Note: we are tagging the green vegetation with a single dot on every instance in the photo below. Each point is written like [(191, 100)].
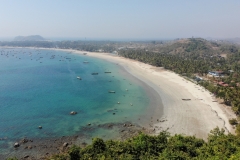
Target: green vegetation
[(163, 146), (189, 57), (193, 57), (12, 158), (233, 121)]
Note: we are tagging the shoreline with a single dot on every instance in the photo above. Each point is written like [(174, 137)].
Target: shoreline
[(196, 117), (41, 148)]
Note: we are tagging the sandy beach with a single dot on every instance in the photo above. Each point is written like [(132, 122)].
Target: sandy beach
[(197, 116)]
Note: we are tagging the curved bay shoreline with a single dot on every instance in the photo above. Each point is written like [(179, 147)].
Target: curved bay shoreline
[(195, 117), (167, 109)]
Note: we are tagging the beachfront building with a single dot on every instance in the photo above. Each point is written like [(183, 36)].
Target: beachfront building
[(216, 73), (115, 52)]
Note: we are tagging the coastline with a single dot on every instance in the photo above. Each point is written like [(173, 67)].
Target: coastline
[(167, 111), (195, 117)]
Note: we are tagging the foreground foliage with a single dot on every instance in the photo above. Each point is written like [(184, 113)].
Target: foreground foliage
[(163, 146)]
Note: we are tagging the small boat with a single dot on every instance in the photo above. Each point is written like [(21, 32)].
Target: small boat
[(73, 112), (79, 78), (95, 73), (111, 91), (186, 99), (107, 72)]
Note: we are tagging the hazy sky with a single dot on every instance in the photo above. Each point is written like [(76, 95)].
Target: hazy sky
[(120, 19)]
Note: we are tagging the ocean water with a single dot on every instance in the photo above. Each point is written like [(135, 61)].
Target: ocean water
[(40, 88)]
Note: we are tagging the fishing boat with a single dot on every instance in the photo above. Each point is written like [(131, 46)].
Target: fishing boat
[(107, 72), (186, 99), (111, 91), (95, 73), (79, 78)]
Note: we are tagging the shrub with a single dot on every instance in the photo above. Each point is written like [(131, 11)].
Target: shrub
[(233, 121)]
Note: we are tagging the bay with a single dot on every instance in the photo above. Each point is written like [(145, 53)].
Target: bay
[(39, 87)]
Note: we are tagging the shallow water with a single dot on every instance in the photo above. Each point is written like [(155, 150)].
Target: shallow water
[(39, 89)]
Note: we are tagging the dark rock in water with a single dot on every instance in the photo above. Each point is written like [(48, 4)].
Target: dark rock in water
[(40, 127), (16, 145), (73, 112), (89, 124), (65, 144), (24, 140), (114, 113), (26, 156)]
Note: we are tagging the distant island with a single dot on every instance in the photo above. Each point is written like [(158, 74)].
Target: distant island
[(29, 38)]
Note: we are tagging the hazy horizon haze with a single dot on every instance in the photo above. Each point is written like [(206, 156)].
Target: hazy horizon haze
[(105, 19)]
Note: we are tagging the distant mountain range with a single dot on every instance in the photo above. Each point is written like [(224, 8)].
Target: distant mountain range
[(29, 38)]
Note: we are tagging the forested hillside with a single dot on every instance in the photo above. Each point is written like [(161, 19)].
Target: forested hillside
[(196, 57)]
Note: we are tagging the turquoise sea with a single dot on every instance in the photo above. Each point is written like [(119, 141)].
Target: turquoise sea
[(40, 88)]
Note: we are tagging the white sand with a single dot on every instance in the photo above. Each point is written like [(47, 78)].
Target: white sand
[(195, 117)]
